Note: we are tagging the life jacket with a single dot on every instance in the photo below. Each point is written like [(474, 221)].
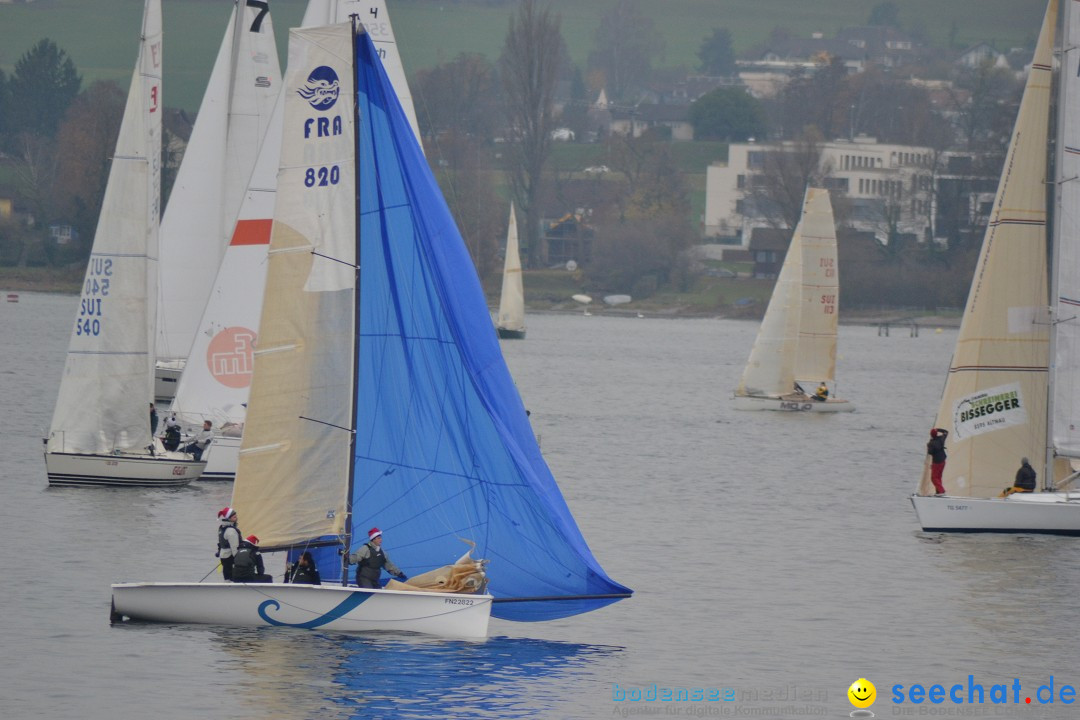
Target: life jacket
[(172, 435), (244, 564), (222, 543), (303, 575), (371, 566)]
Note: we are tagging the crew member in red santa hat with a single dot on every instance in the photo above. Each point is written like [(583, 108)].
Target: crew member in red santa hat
[(228, 540), (370, 560)]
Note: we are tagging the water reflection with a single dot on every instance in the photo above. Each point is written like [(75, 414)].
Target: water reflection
[(304, 674)]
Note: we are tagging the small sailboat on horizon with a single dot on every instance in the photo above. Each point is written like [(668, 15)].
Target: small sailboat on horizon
[(100, 432), (410, 422), (796, 342), (511, 317)]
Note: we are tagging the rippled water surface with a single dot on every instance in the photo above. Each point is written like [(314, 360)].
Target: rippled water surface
[(774, 555)]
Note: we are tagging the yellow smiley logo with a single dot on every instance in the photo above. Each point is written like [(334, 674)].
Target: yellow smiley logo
[(862, 693)]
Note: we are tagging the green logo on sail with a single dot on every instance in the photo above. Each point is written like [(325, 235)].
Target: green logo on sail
[(991, 409)]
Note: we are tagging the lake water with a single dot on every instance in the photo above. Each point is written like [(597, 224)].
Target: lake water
[(775, 558)]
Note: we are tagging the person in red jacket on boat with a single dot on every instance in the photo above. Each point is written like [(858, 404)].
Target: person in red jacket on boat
[(936, 450)]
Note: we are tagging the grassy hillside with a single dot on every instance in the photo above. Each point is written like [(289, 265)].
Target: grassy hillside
[(101, 34)]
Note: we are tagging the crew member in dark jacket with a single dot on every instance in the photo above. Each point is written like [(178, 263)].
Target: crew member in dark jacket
[(1025, 477), (228, 540), (936, 450), (304, 571), (248, 563), (370, 560)]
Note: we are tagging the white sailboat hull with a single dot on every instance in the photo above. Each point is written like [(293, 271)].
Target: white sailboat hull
[(1049, 513), (322, 607), (791, 404), (221, 459), (67, 469), (166, 378)]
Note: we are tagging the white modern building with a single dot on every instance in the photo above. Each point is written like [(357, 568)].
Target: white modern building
[(875, 179)]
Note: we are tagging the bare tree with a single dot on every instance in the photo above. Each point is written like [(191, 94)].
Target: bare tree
[(531, 60), (626, 43), (777, 193)]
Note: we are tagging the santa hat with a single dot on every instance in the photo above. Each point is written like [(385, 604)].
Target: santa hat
[(933, 433), (253, 539), (373, 533), (225, 513)]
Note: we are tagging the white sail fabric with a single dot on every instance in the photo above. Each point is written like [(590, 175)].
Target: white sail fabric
[(217, 377), (771, 367), (210, 185), (1066, 365), (994, 402), (816, 356), (302, 391), (376, 21), (103, 402), (512, 300)]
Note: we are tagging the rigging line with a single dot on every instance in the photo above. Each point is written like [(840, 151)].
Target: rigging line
[(334, 259), (329, 424)]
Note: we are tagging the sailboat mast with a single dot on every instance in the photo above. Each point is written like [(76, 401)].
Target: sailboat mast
[(347, 539), (1055, 235)]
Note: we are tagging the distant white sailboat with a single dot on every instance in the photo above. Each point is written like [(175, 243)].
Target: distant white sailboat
[(1013, 388), (217, 378), (100, 432), (797, 338), (511, 322)]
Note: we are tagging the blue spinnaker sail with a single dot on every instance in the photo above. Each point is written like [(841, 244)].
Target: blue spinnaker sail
[(444, 449)]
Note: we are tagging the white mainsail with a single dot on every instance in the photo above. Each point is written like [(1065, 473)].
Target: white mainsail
[(512, 300), (304, 361), (216, 381), (797, 338), (994, 402), (376, 21), (816, 357), (103, 402), (1065, 376), (198, 223)]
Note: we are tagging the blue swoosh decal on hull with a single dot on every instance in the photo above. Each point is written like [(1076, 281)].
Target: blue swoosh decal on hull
[(342, 609)]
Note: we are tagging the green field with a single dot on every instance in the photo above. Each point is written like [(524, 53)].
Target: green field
[(100, 35)]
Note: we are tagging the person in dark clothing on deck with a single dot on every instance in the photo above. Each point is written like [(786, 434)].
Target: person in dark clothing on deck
[(304, 571), (228, 541), (248, 564), (936, 450), (1025, 479), (370, 561)]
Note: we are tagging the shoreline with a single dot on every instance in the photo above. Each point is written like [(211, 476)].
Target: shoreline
[(898, 319)]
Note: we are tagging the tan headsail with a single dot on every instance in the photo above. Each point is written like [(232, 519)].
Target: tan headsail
[(994, 403), (301, 393)]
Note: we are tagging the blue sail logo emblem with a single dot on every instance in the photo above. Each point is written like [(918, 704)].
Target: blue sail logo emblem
[(321, 89)]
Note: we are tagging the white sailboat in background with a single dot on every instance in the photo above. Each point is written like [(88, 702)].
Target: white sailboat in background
[(511, 318), (797, 339), (197, 226), (100, 432), (1003, 399), (217, 378), (343, 430)]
